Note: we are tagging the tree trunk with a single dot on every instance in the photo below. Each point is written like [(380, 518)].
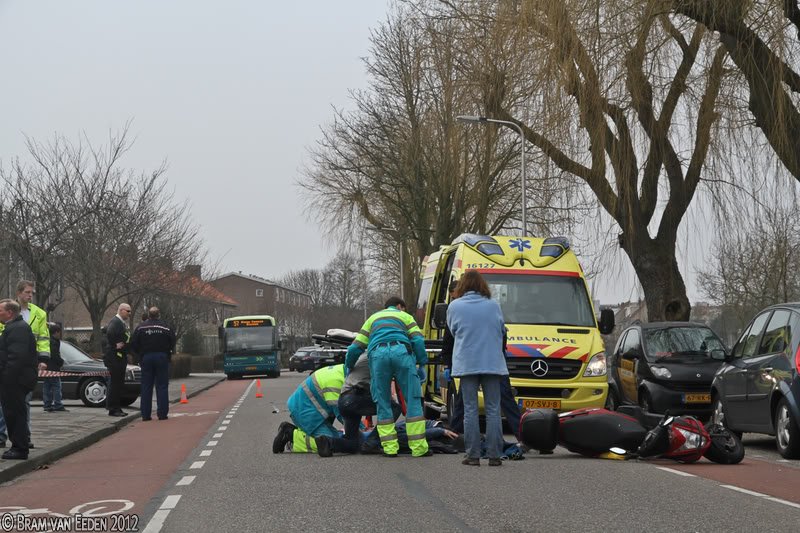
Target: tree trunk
[(657, 269)]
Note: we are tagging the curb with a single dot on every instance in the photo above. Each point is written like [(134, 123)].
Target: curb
[(35, 463)]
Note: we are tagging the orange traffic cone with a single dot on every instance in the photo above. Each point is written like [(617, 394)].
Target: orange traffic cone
[(258, 389), (184, 399)]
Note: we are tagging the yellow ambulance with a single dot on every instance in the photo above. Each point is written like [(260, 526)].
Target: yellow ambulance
[(555, 353)]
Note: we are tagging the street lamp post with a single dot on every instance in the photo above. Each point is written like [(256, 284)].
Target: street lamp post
[(474, 120), (400, 248)]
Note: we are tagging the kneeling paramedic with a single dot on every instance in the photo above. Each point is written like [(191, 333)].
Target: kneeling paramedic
[(394, 345), (313, 407)]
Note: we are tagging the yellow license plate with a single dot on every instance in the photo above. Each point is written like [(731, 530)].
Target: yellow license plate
[(697, 398), (541, 404)]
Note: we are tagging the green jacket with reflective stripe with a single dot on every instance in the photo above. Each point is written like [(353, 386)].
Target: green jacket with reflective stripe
[(387, 325), (317, 397)]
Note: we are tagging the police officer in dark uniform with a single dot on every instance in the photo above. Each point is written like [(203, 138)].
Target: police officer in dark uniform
[(154, 342), (18, 371), (116, 357)]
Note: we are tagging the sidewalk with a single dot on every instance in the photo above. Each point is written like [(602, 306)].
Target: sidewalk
[(56, 435)]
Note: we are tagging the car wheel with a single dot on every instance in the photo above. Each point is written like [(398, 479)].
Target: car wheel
[(93, 391), (612, 402), (787, 434), (718, 416)]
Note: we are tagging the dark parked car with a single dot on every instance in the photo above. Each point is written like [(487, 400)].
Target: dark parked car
[(665, 366), (90, 389), (313, 358), (758, 387)]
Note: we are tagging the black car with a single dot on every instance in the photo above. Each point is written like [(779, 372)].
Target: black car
[(313, 358), (665, 366), (86, 385), (758, 387)]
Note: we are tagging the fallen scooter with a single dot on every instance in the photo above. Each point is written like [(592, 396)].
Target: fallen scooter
[(595, 432)]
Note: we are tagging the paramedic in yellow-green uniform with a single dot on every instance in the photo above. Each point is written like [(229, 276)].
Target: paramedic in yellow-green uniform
[(395, 347)]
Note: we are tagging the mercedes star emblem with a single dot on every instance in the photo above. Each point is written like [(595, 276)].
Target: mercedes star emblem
[(698, 375), (539, 368)]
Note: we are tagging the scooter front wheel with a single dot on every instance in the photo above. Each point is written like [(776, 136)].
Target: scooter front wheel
[(726, 448)]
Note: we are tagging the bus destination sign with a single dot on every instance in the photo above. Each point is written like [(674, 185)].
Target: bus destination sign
[(249, 323)]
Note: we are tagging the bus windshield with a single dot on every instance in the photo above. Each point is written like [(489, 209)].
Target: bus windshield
[(542, 300), (249, 338)]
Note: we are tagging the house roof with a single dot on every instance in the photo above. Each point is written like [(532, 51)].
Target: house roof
[(186, 285), (260, 280)]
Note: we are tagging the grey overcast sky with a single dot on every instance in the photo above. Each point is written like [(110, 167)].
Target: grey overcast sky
[(230, 93)]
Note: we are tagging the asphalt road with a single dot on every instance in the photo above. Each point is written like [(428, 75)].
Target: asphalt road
[(237, 483)]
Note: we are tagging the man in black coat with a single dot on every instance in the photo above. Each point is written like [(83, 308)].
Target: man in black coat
[(153, 341), (116, 357), (18, 372)]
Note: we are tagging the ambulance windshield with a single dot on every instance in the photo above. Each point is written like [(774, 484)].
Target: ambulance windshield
[(543, 300)]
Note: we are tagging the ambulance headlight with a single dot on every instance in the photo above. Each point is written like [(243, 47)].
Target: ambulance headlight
[(596, 366)]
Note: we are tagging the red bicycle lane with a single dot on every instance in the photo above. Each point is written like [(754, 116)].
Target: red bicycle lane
[(122, 472), (762, 477)]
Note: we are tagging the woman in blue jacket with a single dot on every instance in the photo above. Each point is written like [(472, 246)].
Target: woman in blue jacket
[(476, 322)]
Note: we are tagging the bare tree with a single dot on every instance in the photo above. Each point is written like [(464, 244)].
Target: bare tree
[(135, 238), (616, 93), (46, 197), (755, 263), (763, 40), (402, 164)]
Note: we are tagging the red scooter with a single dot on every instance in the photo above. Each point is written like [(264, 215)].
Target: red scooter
[(629, 433)]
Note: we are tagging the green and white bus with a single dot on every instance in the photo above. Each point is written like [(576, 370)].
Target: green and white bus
[(250, 345)]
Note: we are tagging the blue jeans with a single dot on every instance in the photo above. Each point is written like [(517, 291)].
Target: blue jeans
[(51, 393), (490, 384), (155, 371), (508, 406)]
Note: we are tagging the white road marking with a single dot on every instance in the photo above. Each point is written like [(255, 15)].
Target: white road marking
[(222, 428), (228, 416), (760, 495), (197, 464), (157, 522), (212, 443), (678, 472), (205, 453), (186, 480), (170, 501), (217, 435), (225, 422)]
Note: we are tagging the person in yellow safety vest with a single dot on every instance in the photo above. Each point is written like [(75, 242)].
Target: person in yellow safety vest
[(36, 317), (395, 345), (312, 407)]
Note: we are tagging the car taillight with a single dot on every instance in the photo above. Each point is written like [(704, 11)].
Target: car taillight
[(797, 359)]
